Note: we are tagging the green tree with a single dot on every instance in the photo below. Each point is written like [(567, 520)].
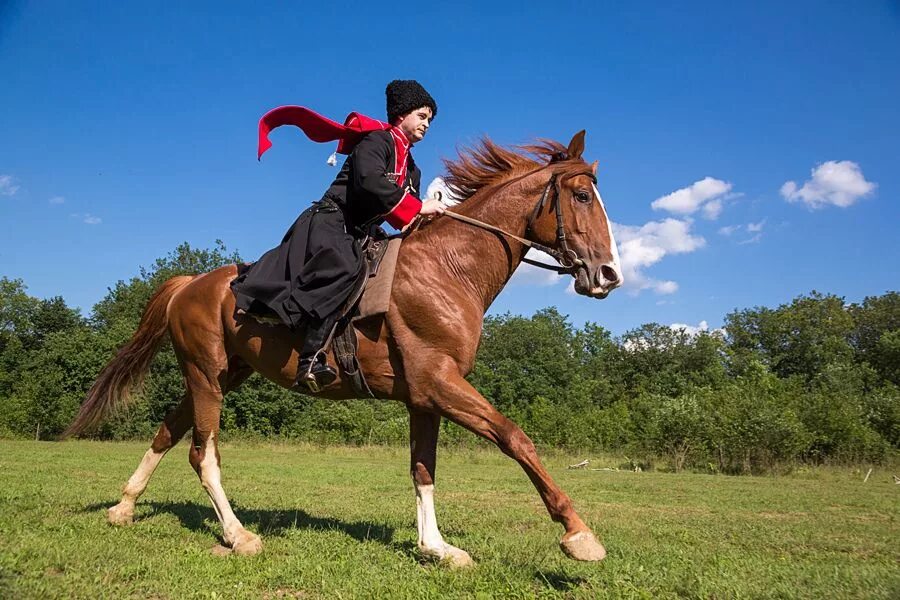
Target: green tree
[(658, 359), (801, 338), (876, 334), (521, 359)]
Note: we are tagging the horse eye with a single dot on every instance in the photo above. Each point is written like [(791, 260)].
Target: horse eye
[(583, 197)]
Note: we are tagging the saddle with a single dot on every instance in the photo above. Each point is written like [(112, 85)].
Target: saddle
[(370, 297)]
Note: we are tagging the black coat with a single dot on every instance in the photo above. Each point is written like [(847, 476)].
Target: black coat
[(314, 269), (365, 187)]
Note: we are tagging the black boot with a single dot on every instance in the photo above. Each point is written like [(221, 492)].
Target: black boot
[(313, 372)]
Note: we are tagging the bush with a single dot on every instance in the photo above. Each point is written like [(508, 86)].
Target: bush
[(684, 428)]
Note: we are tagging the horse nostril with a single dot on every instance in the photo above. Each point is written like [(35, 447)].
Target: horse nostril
[(609, 274)]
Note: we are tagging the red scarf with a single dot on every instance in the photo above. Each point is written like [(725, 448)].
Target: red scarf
[(322, 129)]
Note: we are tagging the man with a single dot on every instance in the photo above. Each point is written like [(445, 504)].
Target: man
[(312, 273)]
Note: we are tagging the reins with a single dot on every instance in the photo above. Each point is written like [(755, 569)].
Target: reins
[(566, 257), (554, 253)]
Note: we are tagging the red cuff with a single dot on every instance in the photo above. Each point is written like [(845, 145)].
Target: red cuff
[(405, 211)]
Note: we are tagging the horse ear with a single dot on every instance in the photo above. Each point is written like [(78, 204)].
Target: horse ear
[(594, 167), (576, 146)]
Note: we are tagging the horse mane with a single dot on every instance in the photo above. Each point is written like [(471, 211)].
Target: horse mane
[(487, 164)]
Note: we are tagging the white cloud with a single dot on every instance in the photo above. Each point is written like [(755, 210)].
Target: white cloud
[(87, 218), (706, 194), (530, 275), (7, 186), (644, 246), (751, 240), (664, 287), (712, 209), (694, 330), (755, 227), (57, 200), (833, 183), (728, 229)]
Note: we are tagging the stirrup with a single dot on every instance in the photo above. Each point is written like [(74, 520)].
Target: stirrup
[(309, 381), (316, 376)]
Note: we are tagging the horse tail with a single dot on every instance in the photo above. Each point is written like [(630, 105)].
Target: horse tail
[(113, 386)]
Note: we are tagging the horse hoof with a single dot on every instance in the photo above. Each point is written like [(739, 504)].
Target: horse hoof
[(120, 516), (457, 559), (583, 546), (448, 556), (247, 544)]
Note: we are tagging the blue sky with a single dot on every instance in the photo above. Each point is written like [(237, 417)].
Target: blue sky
[(128, 128)]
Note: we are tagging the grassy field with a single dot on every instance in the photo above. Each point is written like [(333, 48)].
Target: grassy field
[(340, 523)]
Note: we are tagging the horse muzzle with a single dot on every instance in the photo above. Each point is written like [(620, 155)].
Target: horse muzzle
[(598, 282)]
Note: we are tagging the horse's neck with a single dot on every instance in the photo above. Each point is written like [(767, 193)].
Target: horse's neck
[(480, 260)]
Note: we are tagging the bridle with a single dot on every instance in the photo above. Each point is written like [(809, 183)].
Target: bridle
[(567, 258)]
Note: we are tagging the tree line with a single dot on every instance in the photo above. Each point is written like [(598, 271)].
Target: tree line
[(812, 380)]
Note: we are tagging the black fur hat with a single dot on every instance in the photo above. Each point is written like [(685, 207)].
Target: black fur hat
[(404, 95)]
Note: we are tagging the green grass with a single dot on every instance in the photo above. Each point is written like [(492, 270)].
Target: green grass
[(340, 523)]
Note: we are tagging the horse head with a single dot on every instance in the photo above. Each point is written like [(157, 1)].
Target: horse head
[(572, 220)]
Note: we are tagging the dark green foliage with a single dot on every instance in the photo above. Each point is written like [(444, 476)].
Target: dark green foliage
[(522, 359), (802, 338), (813, 380), (876, 334)]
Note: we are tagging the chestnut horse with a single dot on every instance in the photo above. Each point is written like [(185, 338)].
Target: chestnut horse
[(448, 273)]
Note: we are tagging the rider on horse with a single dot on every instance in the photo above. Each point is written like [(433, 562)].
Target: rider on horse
[(306, 279)]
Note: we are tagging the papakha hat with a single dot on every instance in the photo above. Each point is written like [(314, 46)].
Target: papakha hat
[(405, 95)]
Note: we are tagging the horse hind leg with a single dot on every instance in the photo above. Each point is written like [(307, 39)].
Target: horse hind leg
[(172, 429), (206, 395)]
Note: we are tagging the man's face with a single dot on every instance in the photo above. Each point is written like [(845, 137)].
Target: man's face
[(415, 124)]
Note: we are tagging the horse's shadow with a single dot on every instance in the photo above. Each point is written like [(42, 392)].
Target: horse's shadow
[(200, 518), (561, 582)]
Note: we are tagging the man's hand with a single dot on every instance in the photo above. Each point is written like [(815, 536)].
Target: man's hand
[(432, 206)]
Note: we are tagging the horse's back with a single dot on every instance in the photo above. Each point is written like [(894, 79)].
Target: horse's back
[(208, 296)]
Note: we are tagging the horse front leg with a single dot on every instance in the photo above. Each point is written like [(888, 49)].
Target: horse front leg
[(457, 400), (423, 434)]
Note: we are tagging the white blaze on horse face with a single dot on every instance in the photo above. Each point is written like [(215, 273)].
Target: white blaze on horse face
[(615, 264)]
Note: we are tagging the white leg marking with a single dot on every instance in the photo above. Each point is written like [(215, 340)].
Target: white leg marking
[(429, 535), (241, 540), (123, 512), (431, 542), (138, 482)]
